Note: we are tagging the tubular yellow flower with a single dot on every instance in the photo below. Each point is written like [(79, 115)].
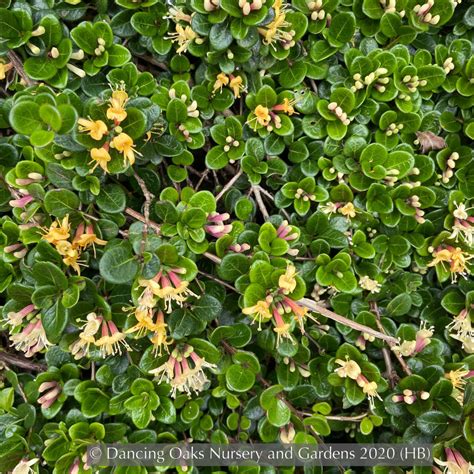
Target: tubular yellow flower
[(116, 110), (184, 36), (58, 231), (236, 85), (275, 30), (349, 368), (4, 68), (95, 128), (221, 81), (261, 116), (101, 157), (287, 281), (260, 312), (348, 210), (124, 144)]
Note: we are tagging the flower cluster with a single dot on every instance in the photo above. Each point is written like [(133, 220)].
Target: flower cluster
[(59, 233)]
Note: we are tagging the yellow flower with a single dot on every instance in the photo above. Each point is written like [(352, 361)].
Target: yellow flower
[(456, 258), (349, 368), (160, 338), (274, 31), (236, 86), (124, 144), (58, 231), (116, 110), (261, 116), (287, 281), (4, 68), (96, 128), (145, 321), (348, 210), (221, 81), (71, 259), (260, 312), (88, 238), (184, 37), (101, 157), (286, 106)]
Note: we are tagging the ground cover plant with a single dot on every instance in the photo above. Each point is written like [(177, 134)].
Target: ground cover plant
[(235, 220)]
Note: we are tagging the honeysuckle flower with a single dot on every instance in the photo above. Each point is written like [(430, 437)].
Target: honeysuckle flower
[(216, 226), (112, 340), (287, 281), (168, 286), (124, 144), (24, 466), (369, 388), (177, 14), (95, 128), (117, 102), (281, 328), (160, 338), (261, 116), (349, 368), (16, 318), (87, 238), (361, 341), (70, 255), (299, 312), (460, 327), (31, 339), (259, 311), (455, 257), (348, 210), (101, 157), (144, 317), (368, 284), (4, 68), (459, 378), (58, 231), (286, 106), (275, 31), (455, 463), (52, 391), (236, 84), (423, 338), (463, 224), (184, 36), (22, 201), (221, 81), (184, 371), (80, 348)]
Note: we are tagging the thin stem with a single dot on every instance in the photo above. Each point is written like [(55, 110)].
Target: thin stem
[(229, 185), (261, 204), (136, 215), (146, 209), (346, 322), (18, 66), (221, 282), (400, 359), (391, 373), (21, 362)]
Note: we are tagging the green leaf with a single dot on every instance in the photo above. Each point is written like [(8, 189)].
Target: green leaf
[(46, 273), (59, 202), (239, 379), (342, 28), (54, 321), (433, 423), (24, 117), (118, 265), (111, 199)]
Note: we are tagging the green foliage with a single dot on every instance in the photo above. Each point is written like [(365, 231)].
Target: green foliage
[(235, 221)]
